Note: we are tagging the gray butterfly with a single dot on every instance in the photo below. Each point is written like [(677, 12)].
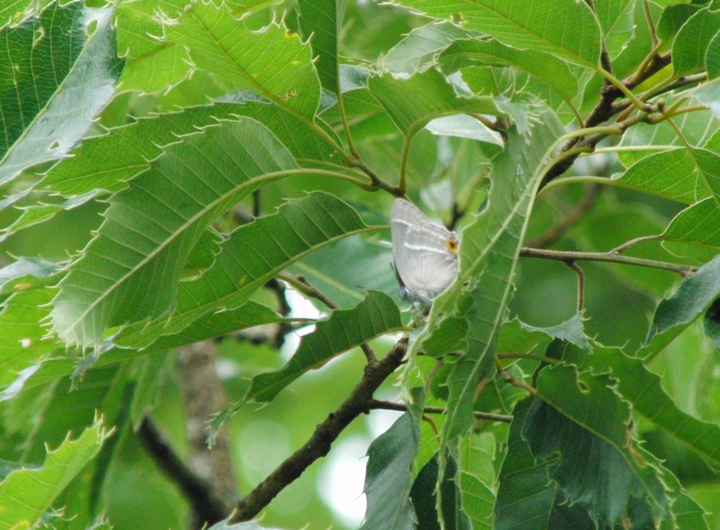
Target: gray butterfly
[(425, 253)]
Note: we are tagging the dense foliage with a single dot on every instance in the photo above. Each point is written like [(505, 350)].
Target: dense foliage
[(179, 177)]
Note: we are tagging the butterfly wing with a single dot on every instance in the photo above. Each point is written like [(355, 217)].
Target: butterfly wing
[(425, 252)]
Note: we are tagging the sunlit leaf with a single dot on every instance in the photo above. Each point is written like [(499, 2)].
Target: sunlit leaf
[(544, 67), (151, 65), (271, 62), (63, 74), (569, 30), (27, 493), (412, 103), (692, 41), (130, 270)]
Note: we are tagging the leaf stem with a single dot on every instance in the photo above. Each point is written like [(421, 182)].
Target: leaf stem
[(581, 284), (625, 90)]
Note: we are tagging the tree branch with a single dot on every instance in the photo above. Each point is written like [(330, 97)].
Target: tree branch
[(401, 407), (207, 506), (565, 256), (325, 434)]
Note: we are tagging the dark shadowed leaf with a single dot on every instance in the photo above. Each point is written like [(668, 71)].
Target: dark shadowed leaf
[(694, 296), (388, 478), (425, 500)]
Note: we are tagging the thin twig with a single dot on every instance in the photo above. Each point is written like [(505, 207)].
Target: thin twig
[(301, 284), (581, 283), (559, 255), (651, 23), (401, 407), (516, 382), (625, 246), (208, 507), (325, 434)]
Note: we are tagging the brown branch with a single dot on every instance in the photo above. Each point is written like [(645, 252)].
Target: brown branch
[(203, 395), (604, 109), (325, 434), (206, 506), (401, 407)]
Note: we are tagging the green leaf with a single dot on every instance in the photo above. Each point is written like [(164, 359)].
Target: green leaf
[(298, 228), (419, 50), (212, 325), (63, 66), (544, 67), (26, 494), (478, 501), (566, 29), (526, 495), (412, 103), (320, 21), (27, 273), (366, 265), (488, 253), (673, 17), (693, 297), (271, 62), (697, 128), (388, 478), (692, 41), (588, 427), (249, 525), (643, 389), (617, 23), (23, 338), (570, 331), (672, 174), (344, 330), (712, 57), (130, 271), (153, 370), (150, 64), (424, 497), (711, 323), (696, 224), (108, 161)]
